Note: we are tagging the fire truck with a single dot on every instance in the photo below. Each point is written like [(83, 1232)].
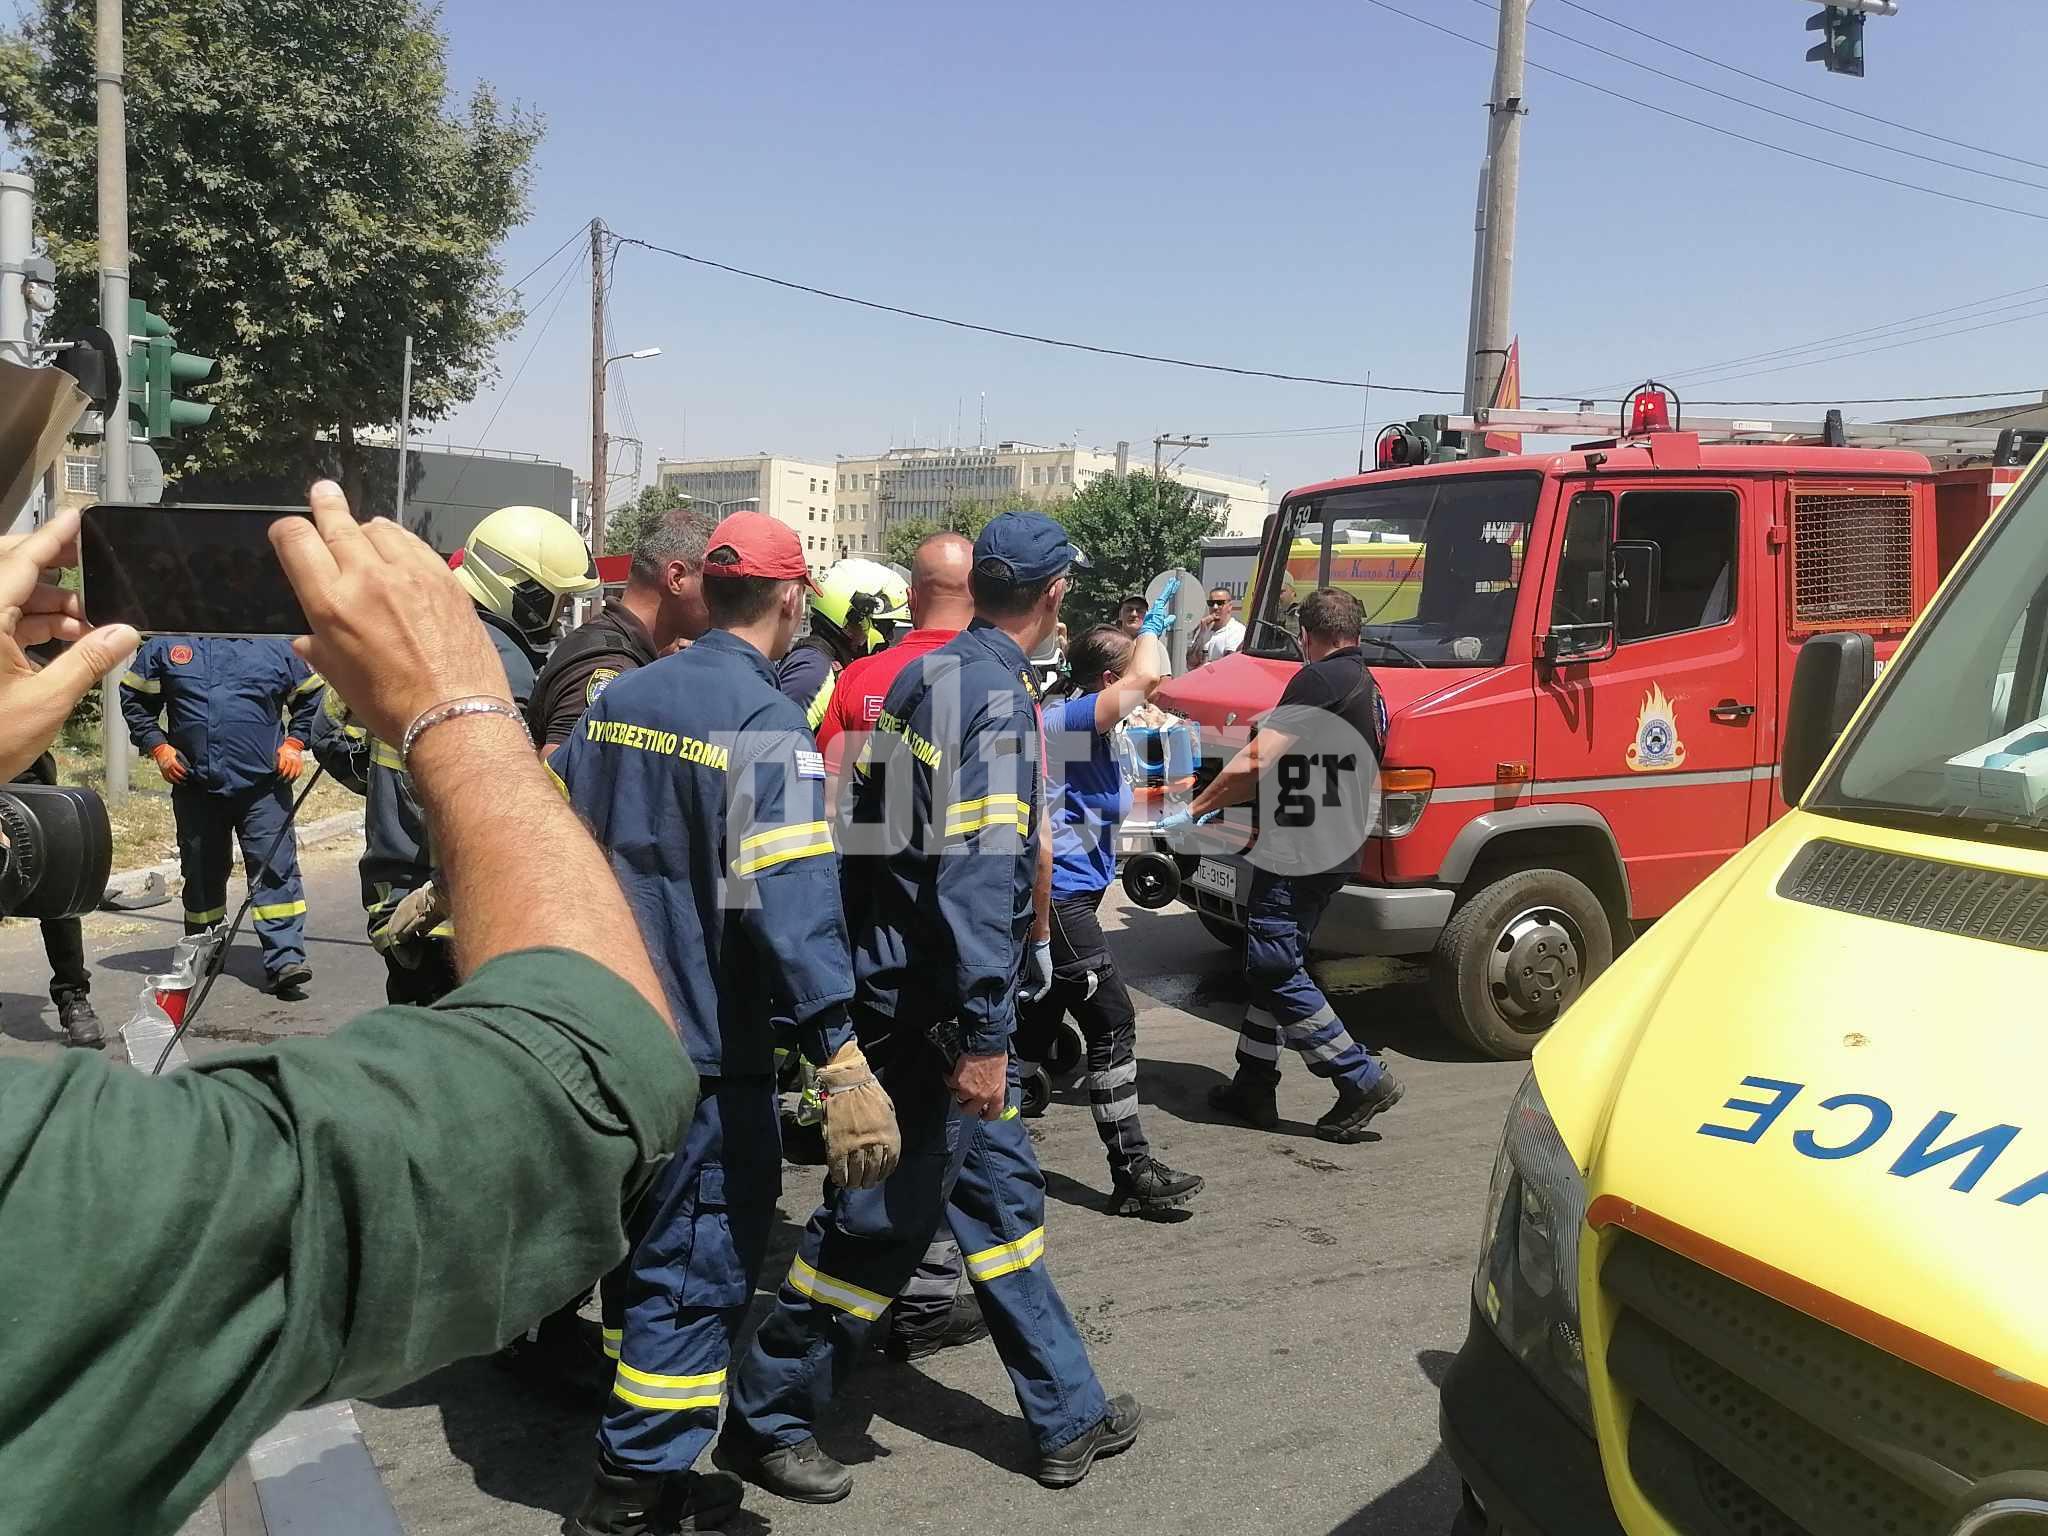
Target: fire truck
[(1585, 656)]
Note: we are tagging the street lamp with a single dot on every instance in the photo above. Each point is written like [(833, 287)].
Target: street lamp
[(627, 357)]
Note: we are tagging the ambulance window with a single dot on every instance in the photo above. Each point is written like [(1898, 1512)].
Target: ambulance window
[(1695, 533)]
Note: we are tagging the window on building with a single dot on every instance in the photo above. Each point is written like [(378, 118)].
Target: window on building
[(82, 475), (1067, 474), (870, 485)]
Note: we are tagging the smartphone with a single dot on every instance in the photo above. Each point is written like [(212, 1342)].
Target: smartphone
[(199, 570)]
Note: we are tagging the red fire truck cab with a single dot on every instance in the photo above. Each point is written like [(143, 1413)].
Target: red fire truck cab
[(1585, 657)]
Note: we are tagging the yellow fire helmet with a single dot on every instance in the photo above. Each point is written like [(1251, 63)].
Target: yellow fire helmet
[(856, 596), (523, 563)]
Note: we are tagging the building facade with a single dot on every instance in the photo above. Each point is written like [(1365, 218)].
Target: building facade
[(796, 492)]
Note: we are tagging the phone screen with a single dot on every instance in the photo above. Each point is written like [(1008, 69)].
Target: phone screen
[(187, 570)]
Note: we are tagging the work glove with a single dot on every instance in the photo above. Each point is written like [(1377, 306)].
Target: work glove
[(421, 912), (1178, 827), (169, 763), (862, 1142), (1159, 617), (1037, 971), (291, 758)]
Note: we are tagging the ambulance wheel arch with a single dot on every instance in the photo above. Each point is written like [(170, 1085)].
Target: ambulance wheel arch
[(1543, 907)]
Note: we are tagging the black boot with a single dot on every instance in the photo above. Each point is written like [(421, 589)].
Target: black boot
[(641, 1504), (963, 1325), (801, 1472), (563, 1354), (291, 982), (1254, 1099), (81, 1024), (1149, 1185), (1354, 1109), (1113, 1432)]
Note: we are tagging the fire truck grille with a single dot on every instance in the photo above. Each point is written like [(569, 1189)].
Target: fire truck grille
[(1753, 1419), (1923, 893), (1852, 560)]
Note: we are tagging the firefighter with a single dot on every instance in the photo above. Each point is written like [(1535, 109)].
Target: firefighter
[(943, 905), (848, 609), (706, 790), (663, 603), (520, 565), (210, 711), (1331, 713)]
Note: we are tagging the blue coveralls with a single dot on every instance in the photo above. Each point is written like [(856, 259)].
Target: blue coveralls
[(1285, 1006), (703, 786), (223, 704), (954, 768)]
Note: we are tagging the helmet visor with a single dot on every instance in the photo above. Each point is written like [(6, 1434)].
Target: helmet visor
[(535, 608)]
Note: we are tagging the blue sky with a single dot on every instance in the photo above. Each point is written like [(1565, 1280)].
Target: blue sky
[(1286, 186)]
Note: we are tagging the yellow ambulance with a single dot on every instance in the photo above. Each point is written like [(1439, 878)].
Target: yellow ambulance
[(1766, 1245)]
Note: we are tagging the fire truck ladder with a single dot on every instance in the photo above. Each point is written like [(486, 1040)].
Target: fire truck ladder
[(1931, 438)]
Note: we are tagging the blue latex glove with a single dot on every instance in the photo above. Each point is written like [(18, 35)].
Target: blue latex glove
[(1037, 971), (1176, 822), (1159, 617)]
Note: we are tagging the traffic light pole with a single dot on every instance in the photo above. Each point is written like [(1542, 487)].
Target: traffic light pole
[(113, 214), (1494, 280), (598, 455)]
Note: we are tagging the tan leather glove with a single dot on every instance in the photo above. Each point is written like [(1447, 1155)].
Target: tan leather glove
[(420, 912), (862, 1142)]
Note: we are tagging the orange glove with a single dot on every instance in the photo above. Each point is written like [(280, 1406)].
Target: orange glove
[(291, 758), (168, 763)]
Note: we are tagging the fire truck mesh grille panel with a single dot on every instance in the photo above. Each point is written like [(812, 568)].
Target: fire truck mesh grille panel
[(1852, 560), (1753, 1419), (1922, 893)]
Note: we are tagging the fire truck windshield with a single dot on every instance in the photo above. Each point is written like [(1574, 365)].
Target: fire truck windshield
[(1435, 561)]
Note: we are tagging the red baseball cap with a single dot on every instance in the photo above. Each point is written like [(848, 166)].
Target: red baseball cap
[(755, 544)]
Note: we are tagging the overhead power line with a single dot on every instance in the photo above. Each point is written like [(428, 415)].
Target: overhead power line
[(1869, 117), (1700, 122), (1757, 106), (1254, 373), (1842, 357), (573, 238)]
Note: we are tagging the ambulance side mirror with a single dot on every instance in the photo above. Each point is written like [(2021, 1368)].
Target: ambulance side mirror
[(1833, 675)]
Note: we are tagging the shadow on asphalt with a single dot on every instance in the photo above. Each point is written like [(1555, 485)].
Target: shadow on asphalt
[(1425, 1501), (30, 1017), (1181, 1089)]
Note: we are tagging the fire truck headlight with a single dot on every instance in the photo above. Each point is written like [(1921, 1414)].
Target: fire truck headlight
[(1404, 793)]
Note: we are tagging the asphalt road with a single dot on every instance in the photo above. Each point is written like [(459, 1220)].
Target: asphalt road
[(1285, 1338)]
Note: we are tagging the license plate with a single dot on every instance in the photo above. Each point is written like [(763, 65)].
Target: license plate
[(1215, 875)]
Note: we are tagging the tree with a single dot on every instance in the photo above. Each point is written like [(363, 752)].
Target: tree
[(963, 517), (301, 198), (622, 525), (1131, 527)]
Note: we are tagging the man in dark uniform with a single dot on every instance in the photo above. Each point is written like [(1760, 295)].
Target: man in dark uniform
[(1318, 753), (64, 945), (705, 789), (663, 603), (946, 803)]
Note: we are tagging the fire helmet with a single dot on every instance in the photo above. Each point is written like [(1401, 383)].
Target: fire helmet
[(523, 563)]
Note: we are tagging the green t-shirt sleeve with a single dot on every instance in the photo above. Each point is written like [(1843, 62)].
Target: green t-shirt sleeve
[(184, 1260)]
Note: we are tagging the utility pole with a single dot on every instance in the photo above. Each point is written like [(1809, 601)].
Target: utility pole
[(1177, 640), (404, 429), (113, 213), (17, 239), (598, 453), (1493, 292)]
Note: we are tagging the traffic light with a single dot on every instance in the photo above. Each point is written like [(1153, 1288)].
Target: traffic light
[(1841, 45), (156, 371)]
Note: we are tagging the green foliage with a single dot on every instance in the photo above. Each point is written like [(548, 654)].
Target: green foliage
[(622, 525), (968, 517), (302, 195), (1131, 527)]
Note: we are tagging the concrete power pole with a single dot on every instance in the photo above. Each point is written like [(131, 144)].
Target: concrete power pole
[(113, 212), (1494, 276), (17, 240), (597, 435)]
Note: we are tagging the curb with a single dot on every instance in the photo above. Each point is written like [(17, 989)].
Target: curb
[(311, 1476), (132, 882)]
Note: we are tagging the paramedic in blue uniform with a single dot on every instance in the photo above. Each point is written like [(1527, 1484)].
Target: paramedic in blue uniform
[(211, 712), (944, 853), (1314, 768), (706, 791)]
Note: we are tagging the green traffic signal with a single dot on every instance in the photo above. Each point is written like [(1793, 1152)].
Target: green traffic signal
[(156, 371), (1841, 45)]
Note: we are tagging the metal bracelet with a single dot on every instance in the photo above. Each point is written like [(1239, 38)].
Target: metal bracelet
[(454, 709)]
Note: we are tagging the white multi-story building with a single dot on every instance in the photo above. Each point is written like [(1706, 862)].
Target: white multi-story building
[(796, 492)]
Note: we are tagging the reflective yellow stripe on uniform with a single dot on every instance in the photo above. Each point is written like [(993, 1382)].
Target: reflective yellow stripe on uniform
[(814, 716), (668, 1394), (613, 1338), (806, 1281), (966, 816), (1006, 1258), (315, 681), (278, 909), (385, 757), (559, 785), (765, 849), (210, 915), (140, 683)]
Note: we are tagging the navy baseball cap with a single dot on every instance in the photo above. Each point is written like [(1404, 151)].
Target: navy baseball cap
[(1021, 547)]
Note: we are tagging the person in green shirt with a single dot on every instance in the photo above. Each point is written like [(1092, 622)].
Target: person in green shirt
[(183, 1260)]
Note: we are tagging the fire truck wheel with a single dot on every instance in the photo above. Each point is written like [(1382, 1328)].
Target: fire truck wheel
[(1513, 957)]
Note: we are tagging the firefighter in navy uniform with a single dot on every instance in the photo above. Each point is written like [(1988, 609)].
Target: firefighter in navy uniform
[(210, 711), (849, 610), (520, 565), (704, 787), (662, 604), (944, 919)]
